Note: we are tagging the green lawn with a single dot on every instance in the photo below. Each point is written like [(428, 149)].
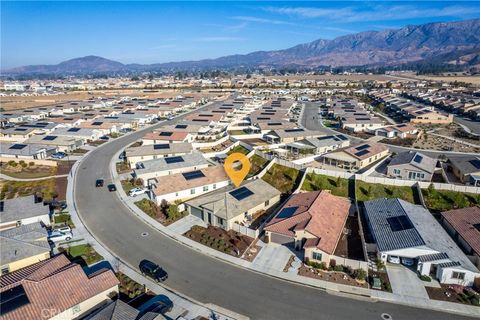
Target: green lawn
[(338, 186), (257, 164), (170, 216), (282, 178), (240, 149), (128, 185), (442, 200), (237, 132), (63, 218), (368, 191), (88, 254)]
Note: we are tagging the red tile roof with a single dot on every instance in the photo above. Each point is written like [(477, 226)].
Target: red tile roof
[(319, 213), (56, 285), (464, 221)]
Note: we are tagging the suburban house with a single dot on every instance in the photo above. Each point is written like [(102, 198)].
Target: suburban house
[(361, 123), (403, 130), (23, 246), (267, 126), (61, 143), (412, 165), (54, 289), (466, 168), (241, 205), (318, 145), (156, 151), (167, 137), (290, 135), (85, 134), (23, 210), (405, 230), (464, 227), (152, 169), (186, 185), (427, 116), (119, 310), (26, 151), (356, 157), (16, 134), (312, 221), (103, 126)]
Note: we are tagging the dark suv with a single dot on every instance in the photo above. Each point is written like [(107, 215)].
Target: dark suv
[(153, 271), (99, 183)]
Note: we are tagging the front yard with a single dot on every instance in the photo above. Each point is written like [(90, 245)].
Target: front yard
[(368, 191), (443, 200), (338, 186), (239, 149), (338, 274), (129, 184), (122, 167), (281, 177), (166, 215), (453, 293), (84, 252), (12, 189), (229, 242), (63, 219)]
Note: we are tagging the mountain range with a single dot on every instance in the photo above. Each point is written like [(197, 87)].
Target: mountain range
[(455, 43)]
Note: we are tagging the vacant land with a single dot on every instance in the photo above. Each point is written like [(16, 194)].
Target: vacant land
[(338, 186), (26, 170), (368, 191), (282, 178), (13, 189), (442, 200)]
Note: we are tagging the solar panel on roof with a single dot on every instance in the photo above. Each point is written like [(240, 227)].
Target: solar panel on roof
[(165, 134), (294, 130), (241, 193), (161, 146), (12, 299), (97, 123), (18, 146), (399, 223), (418, 158), (20, 129), (174, 160), (49, 138), (273, 123), (325, 138), (2, 206), (200, 120), (193, 175), (73, 130), (341, 137), (362, 147), (361, 153), (475, 163), (287, 212), (477, 226), (181, 126)]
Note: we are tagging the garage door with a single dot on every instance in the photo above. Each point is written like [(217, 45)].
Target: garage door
[(281, 239), (196, 212)]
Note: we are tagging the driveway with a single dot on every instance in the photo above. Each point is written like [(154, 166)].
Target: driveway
[(405, 282), (272, 256)]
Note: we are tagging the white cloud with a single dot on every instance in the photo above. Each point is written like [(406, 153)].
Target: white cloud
[(261, 20), (377, 12), (218, 39)]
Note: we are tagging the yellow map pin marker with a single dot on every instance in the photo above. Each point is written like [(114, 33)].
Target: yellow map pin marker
[(237, 176)]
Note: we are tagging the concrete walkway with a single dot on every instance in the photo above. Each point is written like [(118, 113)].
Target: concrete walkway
[(6, 177), (405, 282), (183, 225)]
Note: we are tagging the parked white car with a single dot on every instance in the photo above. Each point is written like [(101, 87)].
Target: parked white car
[(57, 236), (136, 192), (65, 229), (408, 262), (394, 259)]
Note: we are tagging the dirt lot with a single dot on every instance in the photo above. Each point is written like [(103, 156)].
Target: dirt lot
[(432, 142), (20, 102), (456, 131)]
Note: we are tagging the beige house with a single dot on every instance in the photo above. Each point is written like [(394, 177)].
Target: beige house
[(55, 289), (311, 221), (426, 116), (23, 246), (356, 157)]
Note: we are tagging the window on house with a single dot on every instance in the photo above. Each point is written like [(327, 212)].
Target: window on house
[(205, 188), (5, 269), (267, 203), (396, 171), (316, 256), (192, 191), (458, 275), (220, 221)]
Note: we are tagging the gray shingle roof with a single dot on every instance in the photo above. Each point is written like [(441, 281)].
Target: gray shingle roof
[(22, 208), (161, 164), (416, 159), (377, 213), (23, 242), (116, 310)]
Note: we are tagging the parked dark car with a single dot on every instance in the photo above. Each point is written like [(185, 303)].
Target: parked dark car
[(104, 138), (111, 187), (160, 304), (59, 205), (153, 270), (99, 183)]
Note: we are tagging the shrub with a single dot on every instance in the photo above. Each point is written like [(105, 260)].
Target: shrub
[(31, 163), (23, 164), (360, 274), (425, 278), (317, 265), (338, 268), (12, 163)]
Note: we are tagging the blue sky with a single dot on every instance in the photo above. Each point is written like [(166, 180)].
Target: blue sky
[(149, 32)]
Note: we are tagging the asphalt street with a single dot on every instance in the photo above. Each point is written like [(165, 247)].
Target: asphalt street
[(202, 277)]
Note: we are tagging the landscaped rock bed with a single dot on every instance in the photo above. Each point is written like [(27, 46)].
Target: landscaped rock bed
[(229, 242), (332, 276)]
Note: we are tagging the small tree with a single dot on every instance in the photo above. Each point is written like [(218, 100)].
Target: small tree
[(360, 274)]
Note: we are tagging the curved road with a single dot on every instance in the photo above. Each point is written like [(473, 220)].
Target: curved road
[(202, 277)]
